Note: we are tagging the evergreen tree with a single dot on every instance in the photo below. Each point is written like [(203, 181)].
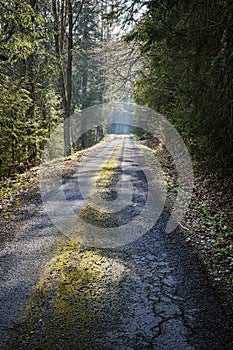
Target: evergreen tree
[(188, 46)]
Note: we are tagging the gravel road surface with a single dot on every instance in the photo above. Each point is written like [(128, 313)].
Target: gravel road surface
[(154, 292)]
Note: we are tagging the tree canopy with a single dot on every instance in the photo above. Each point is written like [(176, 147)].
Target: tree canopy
[(188, 46)]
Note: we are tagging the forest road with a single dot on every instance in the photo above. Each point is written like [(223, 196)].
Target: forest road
[(153, 291)]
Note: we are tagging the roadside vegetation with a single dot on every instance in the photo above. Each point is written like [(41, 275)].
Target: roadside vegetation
[(207, 226)]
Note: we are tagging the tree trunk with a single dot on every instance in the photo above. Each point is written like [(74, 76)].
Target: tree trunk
[(67, 134), (65, 88)]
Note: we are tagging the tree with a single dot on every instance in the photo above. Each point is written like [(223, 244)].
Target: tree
[(28, 105), (63, 19), (36, 88), (188, 47)]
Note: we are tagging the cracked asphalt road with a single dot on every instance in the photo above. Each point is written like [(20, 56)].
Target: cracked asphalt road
[(153, 292)]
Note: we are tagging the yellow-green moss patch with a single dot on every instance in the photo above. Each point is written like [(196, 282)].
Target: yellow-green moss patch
[(107, 177), (65, 300)]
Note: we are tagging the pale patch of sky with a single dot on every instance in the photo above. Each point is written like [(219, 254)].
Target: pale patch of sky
[(134, 11)]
